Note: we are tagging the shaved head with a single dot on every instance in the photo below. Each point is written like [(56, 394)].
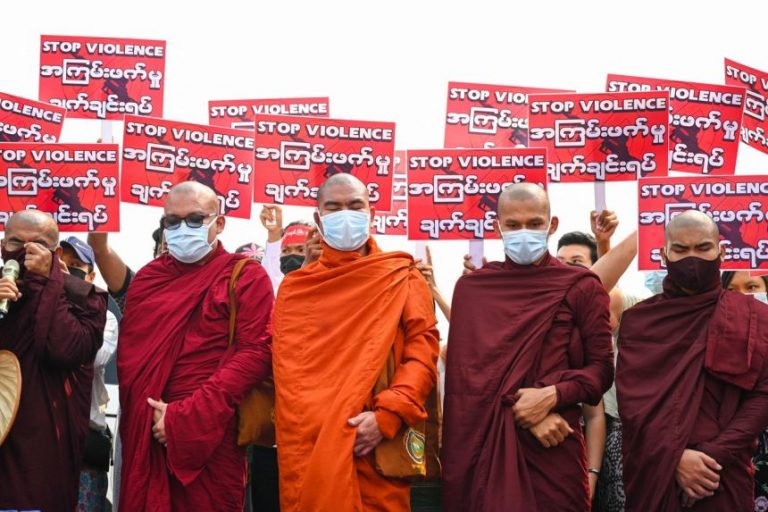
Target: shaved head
[(188, 192), (525, 192), (33, 225), (342, 181), (692, 220), (692, 233)]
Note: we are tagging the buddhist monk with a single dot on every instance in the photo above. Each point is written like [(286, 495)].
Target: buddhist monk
[(529, 340), (336, 322), (180, 384), (692, 382), (54, 326)]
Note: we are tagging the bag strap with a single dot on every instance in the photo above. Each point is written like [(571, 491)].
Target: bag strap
[(236, 271)]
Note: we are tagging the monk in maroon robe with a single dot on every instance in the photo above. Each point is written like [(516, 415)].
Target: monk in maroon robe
[(530, 340), (692, 382), (180, 384), (54, 326)]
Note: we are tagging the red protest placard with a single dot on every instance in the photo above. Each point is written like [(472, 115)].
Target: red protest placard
[(736, 203), (488, 116), (601, 137), (453, 193), (157, 154), (241, 113), (704, 122), (102, 78), (24, 120), (754, 126), (76, 183), (395, 221), (294, 155)]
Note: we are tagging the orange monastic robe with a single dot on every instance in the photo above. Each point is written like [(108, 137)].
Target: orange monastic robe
[(335, 323)]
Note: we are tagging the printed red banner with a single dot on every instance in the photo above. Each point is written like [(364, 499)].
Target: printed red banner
[(24, 120), (395, 221), (241, 113), (102, 78), (76, 183), (754, 126), (704, 122), (157, 154), (453, 193), (294, 155), (738, 205), (488, 116), (601, 137)]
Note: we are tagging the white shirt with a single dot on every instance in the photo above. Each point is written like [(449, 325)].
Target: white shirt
[(99, 395), (271, 263)]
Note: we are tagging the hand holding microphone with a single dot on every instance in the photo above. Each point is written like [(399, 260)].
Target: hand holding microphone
[(9, 292)]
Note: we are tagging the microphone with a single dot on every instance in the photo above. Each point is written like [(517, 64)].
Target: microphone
[(10, 269)]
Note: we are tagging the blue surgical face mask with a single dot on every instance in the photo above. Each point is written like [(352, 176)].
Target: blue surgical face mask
[(346, 230), (762, 297), (654, 280), (525, 246), (189, 245)]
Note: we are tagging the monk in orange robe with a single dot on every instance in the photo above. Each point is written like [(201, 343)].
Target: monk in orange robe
[(335, 323)]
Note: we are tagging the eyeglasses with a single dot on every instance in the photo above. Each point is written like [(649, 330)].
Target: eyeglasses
[(193, 220)]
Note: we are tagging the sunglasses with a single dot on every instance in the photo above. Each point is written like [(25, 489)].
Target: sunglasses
[(193, 220)]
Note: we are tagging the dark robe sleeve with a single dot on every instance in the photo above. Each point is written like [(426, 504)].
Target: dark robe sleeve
[(196, 425), (745, 427), (589, 303), (70, 314), (416, 375)]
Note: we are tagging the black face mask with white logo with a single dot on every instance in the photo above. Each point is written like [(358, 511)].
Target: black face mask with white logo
[(290, 263)]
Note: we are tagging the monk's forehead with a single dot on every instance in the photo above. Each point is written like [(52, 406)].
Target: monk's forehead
[(187, 201), (29, 226), (344, 191), (528, 204), (691, 234)]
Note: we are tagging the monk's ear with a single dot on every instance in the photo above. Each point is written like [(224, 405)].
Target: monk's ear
[(553, 224), (664, 255), (316, 216), (221, 221), (497, 227), (373, 214), (722, 252), (58, 251)]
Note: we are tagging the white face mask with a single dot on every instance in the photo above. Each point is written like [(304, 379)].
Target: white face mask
[(346, 230), (761, 296), (189, 245), (525, 246)]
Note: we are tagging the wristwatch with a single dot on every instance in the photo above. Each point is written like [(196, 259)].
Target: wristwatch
[(594, 471)]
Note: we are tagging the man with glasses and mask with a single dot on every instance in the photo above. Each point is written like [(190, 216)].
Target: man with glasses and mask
[(180, 382), (54, 326), (692, 382), (530, 340), (358, 307)]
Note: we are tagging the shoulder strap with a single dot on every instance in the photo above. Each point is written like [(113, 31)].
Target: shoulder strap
[(239, 266)]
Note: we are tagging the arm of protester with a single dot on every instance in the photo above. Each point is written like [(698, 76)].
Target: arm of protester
[(595, 428), (469, 267), (612, 266), (110, 265), (427, 270), (604, 226)]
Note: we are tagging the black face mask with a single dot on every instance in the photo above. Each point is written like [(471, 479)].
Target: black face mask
[(695, 274), (290, 263), (78, 273)]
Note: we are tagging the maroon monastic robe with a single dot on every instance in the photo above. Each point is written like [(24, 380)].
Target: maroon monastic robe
[(173, 346), (692, 374), (516, 327), (55, 330)]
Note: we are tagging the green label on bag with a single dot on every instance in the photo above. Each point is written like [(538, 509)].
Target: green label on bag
[(414, 445)]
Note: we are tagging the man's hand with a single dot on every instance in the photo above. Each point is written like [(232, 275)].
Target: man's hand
[(426, 269), (98, 241), (158, 419), (368, 433), (533, 405), (697, 475), (38, 259), (9, 290), (604, 225), (272, 219), (470, 267), (552, 430), (313, 247)]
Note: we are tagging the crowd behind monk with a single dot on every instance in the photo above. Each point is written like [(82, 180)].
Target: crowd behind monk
[(556, 390)]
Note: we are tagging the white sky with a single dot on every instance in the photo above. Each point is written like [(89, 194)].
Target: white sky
[(391, 61)]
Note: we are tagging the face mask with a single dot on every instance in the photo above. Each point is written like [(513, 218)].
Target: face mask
[(346, 230), (695, 274), (654, 280), (525, 246), (78, 273), (762, 297), (189, 245), (290, 263)]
